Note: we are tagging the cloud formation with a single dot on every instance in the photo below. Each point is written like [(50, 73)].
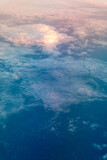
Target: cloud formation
[(28, 43), (78, 30), (32, 35)]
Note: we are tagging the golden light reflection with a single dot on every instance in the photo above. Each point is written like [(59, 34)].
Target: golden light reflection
[(51, 39), (39, 34), (50, 36)]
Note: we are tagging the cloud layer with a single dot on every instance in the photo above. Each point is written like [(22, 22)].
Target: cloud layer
[(56, 56)]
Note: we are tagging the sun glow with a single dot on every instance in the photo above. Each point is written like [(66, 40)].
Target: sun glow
[(50, 36)]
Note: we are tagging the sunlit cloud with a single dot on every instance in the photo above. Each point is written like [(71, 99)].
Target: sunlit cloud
[(32, 35), (78, 28)]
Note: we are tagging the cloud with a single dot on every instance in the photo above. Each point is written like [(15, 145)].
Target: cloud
[(56, 82), (100, 147), (32, 35), (104, 157), (78, 30), (94, 126)]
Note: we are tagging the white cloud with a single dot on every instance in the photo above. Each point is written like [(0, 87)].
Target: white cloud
[(104, 157)]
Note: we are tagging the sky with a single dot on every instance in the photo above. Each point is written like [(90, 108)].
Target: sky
[(30, 7)]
